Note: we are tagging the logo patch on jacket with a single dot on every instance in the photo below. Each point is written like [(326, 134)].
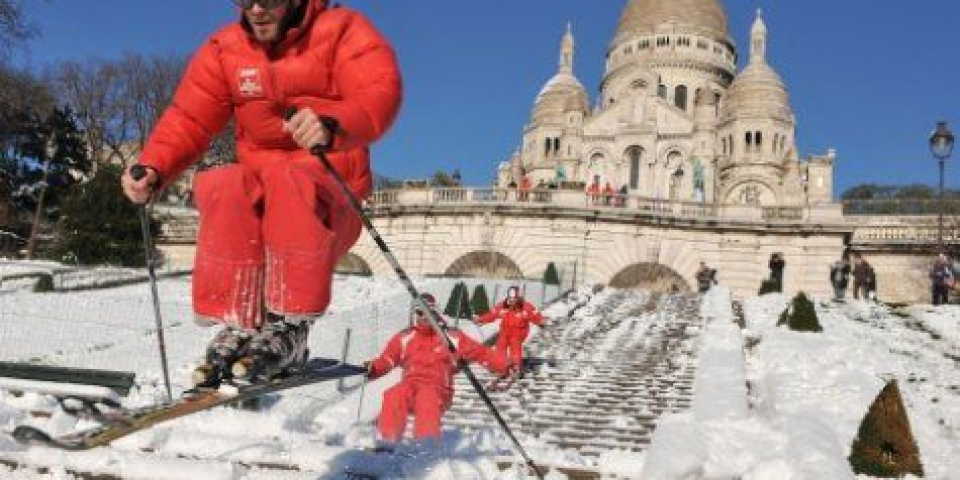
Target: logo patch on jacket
[(250, 82)]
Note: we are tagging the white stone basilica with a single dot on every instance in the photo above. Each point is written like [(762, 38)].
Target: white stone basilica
[(674, 119)]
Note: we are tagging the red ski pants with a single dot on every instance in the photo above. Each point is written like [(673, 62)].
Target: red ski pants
[(427, 403), (268, 237), (510, 342)]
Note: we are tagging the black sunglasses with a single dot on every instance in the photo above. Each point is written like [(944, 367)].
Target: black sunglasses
[(248, 4)]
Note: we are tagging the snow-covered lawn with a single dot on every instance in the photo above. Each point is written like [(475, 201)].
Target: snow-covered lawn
[(807, 392)]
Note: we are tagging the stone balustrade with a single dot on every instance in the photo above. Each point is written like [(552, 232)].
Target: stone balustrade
[(180, 223), (538, 198)]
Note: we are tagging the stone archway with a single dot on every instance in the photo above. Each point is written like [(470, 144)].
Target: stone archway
[(487, 264), (649, 276), (353, 264)]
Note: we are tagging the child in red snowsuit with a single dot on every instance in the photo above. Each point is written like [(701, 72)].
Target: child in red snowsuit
[(515, 315), (428, 368)]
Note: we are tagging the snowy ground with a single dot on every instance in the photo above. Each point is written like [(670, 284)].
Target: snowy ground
[(807, 395), (809, 392)]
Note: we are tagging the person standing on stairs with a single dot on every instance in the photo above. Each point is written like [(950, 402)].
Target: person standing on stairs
[(515, 315)]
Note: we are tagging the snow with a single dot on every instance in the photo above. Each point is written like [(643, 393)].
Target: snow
[(768, 403)]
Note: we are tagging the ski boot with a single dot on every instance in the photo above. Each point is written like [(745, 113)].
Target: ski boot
[(277, 350), (226, 347)]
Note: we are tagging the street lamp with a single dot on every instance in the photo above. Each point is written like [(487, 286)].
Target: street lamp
[(941, 145)]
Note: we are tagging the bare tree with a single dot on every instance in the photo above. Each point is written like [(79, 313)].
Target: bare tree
[(20, 92), (91, 88), (118, 102), (149, 84), (15, 30)]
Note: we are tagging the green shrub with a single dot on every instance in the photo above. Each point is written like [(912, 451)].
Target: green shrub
[(550, 276), (768, 286), (44, 283), (885, 446), (480, 302), (458, 305), (98, 225), (801, 315)]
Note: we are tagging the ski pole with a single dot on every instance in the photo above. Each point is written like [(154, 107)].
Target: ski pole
[(363, 391), (137, 172), (432, 316)]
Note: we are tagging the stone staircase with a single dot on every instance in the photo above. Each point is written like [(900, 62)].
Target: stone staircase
[(606, 373)]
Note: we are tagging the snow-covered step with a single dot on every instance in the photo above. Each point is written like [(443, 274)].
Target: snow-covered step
[(607, 377)]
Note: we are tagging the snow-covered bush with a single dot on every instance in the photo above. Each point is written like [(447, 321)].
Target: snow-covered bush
[(44, 283), (801, 315)]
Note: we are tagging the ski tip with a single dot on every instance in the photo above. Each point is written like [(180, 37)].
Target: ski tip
[(31, 435)]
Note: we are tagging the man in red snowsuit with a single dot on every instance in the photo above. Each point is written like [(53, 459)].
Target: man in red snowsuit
[(273, 225), (515, 315), (428, 368)]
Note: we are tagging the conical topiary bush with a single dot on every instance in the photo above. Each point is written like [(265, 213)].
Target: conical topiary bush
[(801, 315), (768, 286), (550, 276), (480, 302), (885, 446), (458, 305)]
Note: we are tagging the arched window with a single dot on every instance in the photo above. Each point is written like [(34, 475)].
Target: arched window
[(634, 157), (546, 147), (662, 91), (759, 137), (680, 97), (749, 140)]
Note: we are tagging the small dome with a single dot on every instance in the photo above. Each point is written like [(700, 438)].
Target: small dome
[(562, 94), (706, 17), (757, 92)]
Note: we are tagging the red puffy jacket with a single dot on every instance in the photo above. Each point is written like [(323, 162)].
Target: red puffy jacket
[(334, 62), (426, 360), (513, 321)]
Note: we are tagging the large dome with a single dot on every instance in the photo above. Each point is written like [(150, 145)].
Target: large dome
[(706, 17)]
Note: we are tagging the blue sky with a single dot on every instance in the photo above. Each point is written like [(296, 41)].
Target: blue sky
[(866, 77)]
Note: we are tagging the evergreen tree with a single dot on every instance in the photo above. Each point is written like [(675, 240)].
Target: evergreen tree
[(480, 302), (50, 158), (458, 305), (885, 445), (801, 315), (768, 286), (452, 301), (98, 225), (550, 276), (443, 180)]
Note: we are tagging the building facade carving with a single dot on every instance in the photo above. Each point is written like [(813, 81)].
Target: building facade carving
[(674, 119)]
